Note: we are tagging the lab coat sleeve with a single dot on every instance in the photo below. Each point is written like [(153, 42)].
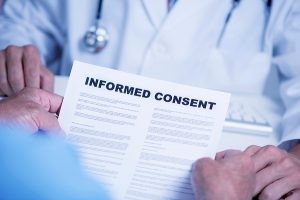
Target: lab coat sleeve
[(32, 22), (286, 51)]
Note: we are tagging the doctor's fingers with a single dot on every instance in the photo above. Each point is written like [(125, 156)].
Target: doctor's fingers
[(285, 188), (31, 66), (4, 85), (286, 168), (46, 79), (14, 68), (271, 174), (268, 155), (22, 68)]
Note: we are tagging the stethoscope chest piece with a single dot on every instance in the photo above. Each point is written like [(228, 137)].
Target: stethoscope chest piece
[(96, 38)]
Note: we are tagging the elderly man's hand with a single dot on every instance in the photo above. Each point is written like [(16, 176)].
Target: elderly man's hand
[(21, 67), (277, 173), (230, 178), (32, 110)]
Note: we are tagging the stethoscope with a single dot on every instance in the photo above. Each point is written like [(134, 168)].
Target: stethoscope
[(97, 37), (234, 5)]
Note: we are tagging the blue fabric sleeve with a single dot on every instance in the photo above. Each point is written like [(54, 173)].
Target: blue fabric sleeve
[(42, 167)]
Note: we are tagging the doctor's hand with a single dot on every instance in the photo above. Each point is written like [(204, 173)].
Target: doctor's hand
[(229, 178), (31, 110), (277, 173), (21, 67)]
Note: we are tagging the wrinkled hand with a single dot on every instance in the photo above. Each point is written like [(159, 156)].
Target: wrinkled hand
[(31, 109), (277, 173), (21, 67), (230, 178)]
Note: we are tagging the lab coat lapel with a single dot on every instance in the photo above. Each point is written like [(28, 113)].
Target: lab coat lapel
[(156, 11)]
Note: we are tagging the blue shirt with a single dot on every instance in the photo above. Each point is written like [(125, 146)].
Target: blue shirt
[(42, 167)]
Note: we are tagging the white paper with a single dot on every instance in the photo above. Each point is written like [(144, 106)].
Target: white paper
[(140, 147)]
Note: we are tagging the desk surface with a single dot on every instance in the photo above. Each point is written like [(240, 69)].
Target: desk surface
[(229, 140)]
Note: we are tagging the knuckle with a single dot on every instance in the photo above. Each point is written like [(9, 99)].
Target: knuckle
[(252, 149), (270, 147), (31, 50), (272, 150), (11, 49), (287, 163)]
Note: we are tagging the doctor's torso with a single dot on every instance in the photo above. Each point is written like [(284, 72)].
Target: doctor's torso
[(179, 46)]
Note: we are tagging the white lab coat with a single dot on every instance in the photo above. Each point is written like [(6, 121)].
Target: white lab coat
[(258, 51)]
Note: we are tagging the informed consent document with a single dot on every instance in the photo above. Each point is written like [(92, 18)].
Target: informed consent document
[(140, 136)]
